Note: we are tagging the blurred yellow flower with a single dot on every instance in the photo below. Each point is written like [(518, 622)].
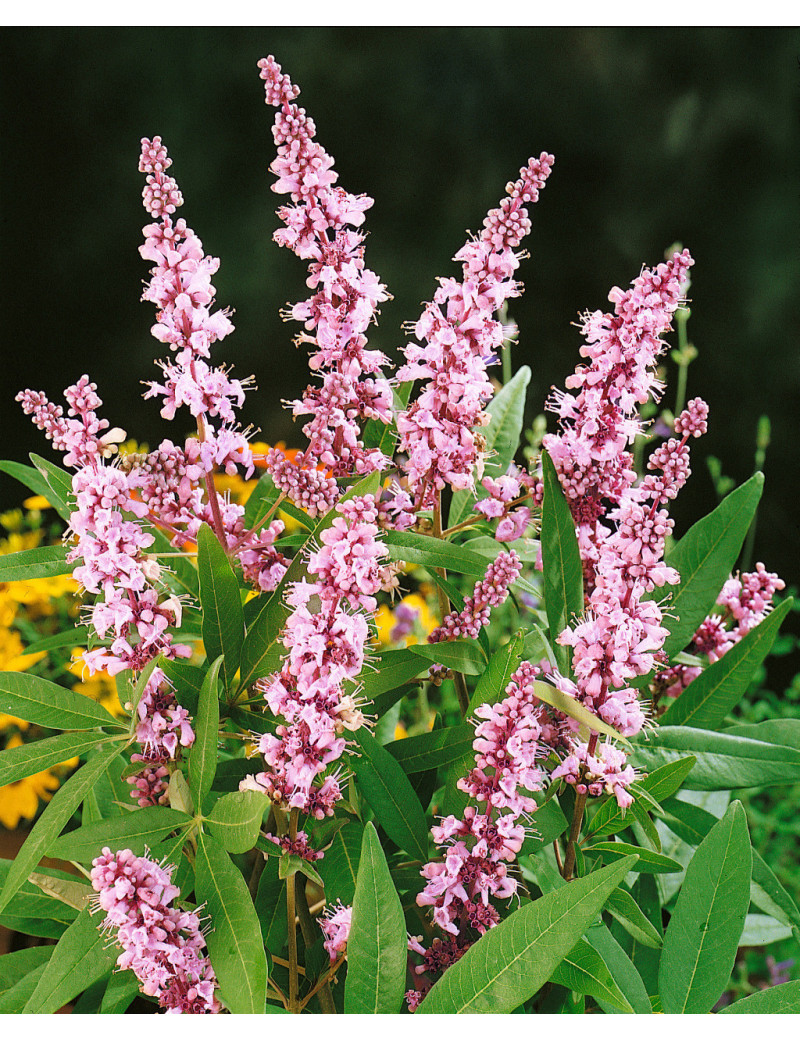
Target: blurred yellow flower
[(20, 800), (38, 502), (410, 622)]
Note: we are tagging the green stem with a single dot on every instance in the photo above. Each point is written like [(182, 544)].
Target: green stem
[(577, 820)]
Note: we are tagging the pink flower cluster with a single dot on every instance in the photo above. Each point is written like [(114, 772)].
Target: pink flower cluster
[(604, 772), (504, 494), (490, 591), (510, 740), (161, 944), (335, 924), (462, 337), (320, 227), (326, 636), (744, 602), (163, 728)]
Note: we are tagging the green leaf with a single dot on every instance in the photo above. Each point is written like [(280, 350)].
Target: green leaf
[(649, 862), (572, 707), (236, 819), (15, 966), (513, 960), (203, 755), (339, 865), (610, 818), (624, 908), (135, 831), (59, 483), (27, 759), (547, 823), (122, 988), (270, 905), (74, 894), (289, 865), (433, 750), (503, 663), (178, 570), (223, 619), (704, 558), (723, 761), (561, 560), (390, 795), (47, 561), (83, 955), (785, 732), (622, 969), (393, 668), (584, 971), (377, 946), (50, 824), (762, 929), (506, 414), (462, 655), (431, 552), (70, 637), (715, 692), (28, 476), (13, 1001), (47, 704), (703, 934), (234, 942), (779, 1000), (260, 653), (769, 895)]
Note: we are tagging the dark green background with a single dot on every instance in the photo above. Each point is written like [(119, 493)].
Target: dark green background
[(659, 135)]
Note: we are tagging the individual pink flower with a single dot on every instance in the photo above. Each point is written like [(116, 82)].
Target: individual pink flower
[(335, 924)]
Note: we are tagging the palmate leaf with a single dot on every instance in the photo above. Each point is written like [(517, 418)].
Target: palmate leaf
[(506, 413), (704, 558), (83, 955), (47, 704), (389, 793), (709, 698), (223, 619), (234, 941), (513, 960), (723, 761), (52, 821), (377, 946), (703, 935), (561, 560), (46, 561)]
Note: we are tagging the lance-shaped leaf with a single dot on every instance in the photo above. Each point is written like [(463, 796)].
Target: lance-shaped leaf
[(234, 941), (622, 969), (779, 1000), (503, 663), (47, 704), (27, 475), (610, 818), (83, 955), (339, 865), (52, 821), (624, 908), (122, 988), (584, 971), (433, 750), (392, 668), (203, 755), (27, 759), (431, 552), (236, 819), (390, 795), (135, 831), (270, 905), (707, 700), (506, 414), (15, 966), (223, 619), (59, 484), (513, 960), (704, 558), (723, 761), (570, 706), (46, 561), (462, 655), (703, 934), (13, 1001), (377, 946), (649, 862), (561, 560)]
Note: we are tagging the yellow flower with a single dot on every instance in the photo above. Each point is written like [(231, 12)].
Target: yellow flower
[(37, 502), (20, 800), (388, 621)]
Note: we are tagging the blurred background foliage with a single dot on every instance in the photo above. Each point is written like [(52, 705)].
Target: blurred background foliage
[(660, 135)]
